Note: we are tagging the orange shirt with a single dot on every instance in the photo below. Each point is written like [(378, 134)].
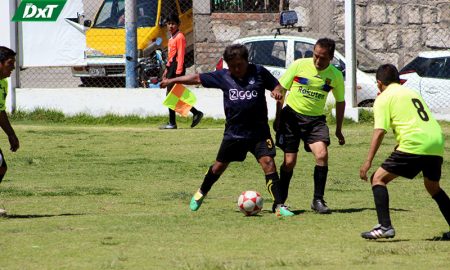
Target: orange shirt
[(177, 46)]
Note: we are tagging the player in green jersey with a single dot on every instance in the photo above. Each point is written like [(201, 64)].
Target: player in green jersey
[(420, 148), (309, 81), (7, 65)]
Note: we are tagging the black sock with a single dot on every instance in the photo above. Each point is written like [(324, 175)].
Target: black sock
[(273, 186), (172, 116), (208, 181), (443, 202), (320, 180), (381, 197), (194, 111), (285, 180)]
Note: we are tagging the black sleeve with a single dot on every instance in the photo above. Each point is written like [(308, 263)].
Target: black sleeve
[(269, 81), (211, 79)]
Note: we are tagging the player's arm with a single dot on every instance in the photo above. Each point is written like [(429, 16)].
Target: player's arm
[(377, 138), (279, 105), (190, 79), (181, 51), (340, 109), (7, 128)]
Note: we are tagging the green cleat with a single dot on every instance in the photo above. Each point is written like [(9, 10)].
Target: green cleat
[(196, 201), (283, 211)]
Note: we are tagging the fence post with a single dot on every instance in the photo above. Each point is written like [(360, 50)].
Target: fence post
[(131, 44), (350, 58)]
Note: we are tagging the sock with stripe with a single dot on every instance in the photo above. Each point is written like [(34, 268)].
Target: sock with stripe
[(381, 197)]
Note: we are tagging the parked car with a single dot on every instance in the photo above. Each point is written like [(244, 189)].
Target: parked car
[(277, 52), (105, 37), (429, 74)]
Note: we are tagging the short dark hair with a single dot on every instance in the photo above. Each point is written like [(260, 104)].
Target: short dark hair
[(387, 74), (6, 53), (328, 44), (173, 17), (235, 50)]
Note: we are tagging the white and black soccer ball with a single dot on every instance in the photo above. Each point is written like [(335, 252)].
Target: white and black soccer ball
[(250, 202)]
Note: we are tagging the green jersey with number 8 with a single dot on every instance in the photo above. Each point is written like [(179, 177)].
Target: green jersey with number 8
[(404, 110)]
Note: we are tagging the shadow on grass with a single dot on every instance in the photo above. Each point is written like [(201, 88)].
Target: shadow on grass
[(354, 210), (387, 240), (296, 212), (40, 216), (438, 238)]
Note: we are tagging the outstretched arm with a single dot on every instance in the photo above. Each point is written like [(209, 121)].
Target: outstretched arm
[(190, 79), (7, 128), (377, 138)]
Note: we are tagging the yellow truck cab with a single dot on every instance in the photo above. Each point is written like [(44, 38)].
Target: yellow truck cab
[(105, 36)]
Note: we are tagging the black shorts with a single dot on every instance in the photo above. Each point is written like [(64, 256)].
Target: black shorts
[(295, 127), (409, 165), (236, 150)]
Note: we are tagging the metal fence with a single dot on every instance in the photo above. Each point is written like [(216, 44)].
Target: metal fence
[(394, 32)]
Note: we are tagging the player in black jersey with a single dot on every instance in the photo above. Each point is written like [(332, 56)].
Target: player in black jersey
[(246, 128)]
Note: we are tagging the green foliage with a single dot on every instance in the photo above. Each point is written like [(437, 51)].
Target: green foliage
[(116, 197)]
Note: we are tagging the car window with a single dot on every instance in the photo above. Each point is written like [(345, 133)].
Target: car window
[(418, 65), (435, 68), (303, 50), (446, 70), (267, 52), (185, 5)]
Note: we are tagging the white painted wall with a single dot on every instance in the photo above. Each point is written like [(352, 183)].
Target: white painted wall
[(120, 101)]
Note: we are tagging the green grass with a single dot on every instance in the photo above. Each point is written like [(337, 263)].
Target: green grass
[(97, 194)]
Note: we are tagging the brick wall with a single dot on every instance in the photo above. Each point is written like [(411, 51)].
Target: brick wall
[(393, 30)]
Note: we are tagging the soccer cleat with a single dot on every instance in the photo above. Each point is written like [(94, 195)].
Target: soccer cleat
[(320, 206), (3, 213), (446, 236), (283, 211), (168, 126), (379, 232), (196, 200), (196, 119)]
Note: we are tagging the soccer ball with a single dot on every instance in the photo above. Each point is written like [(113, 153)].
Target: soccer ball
[(250, 203)]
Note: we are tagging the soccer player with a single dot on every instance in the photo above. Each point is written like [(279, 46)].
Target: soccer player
[(309, 81), (7, 65), (176, 67), (246, 128), (420, 148)]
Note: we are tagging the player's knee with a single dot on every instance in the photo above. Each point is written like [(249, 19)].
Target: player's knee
[(322, 157), (218, 168), (432, 187)]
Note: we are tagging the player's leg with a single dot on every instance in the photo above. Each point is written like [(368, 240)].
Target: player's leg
[(212, 175), (320, 152), (288, 139), (432, 176), (273, 186), (264, 152), (230, 150), (384, 228), (286, 173), (3, 169)]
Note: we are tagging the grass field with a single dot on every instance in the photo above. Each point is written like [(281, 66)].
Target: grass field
[(115, 196)]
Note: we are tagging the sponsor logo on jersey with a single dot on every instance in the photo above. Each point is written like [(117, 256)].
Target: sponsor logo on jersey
[(235, 94)]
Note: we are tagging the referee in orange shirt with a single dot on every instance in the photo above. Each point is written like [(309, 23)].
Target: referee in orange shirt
[(176, 67)]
